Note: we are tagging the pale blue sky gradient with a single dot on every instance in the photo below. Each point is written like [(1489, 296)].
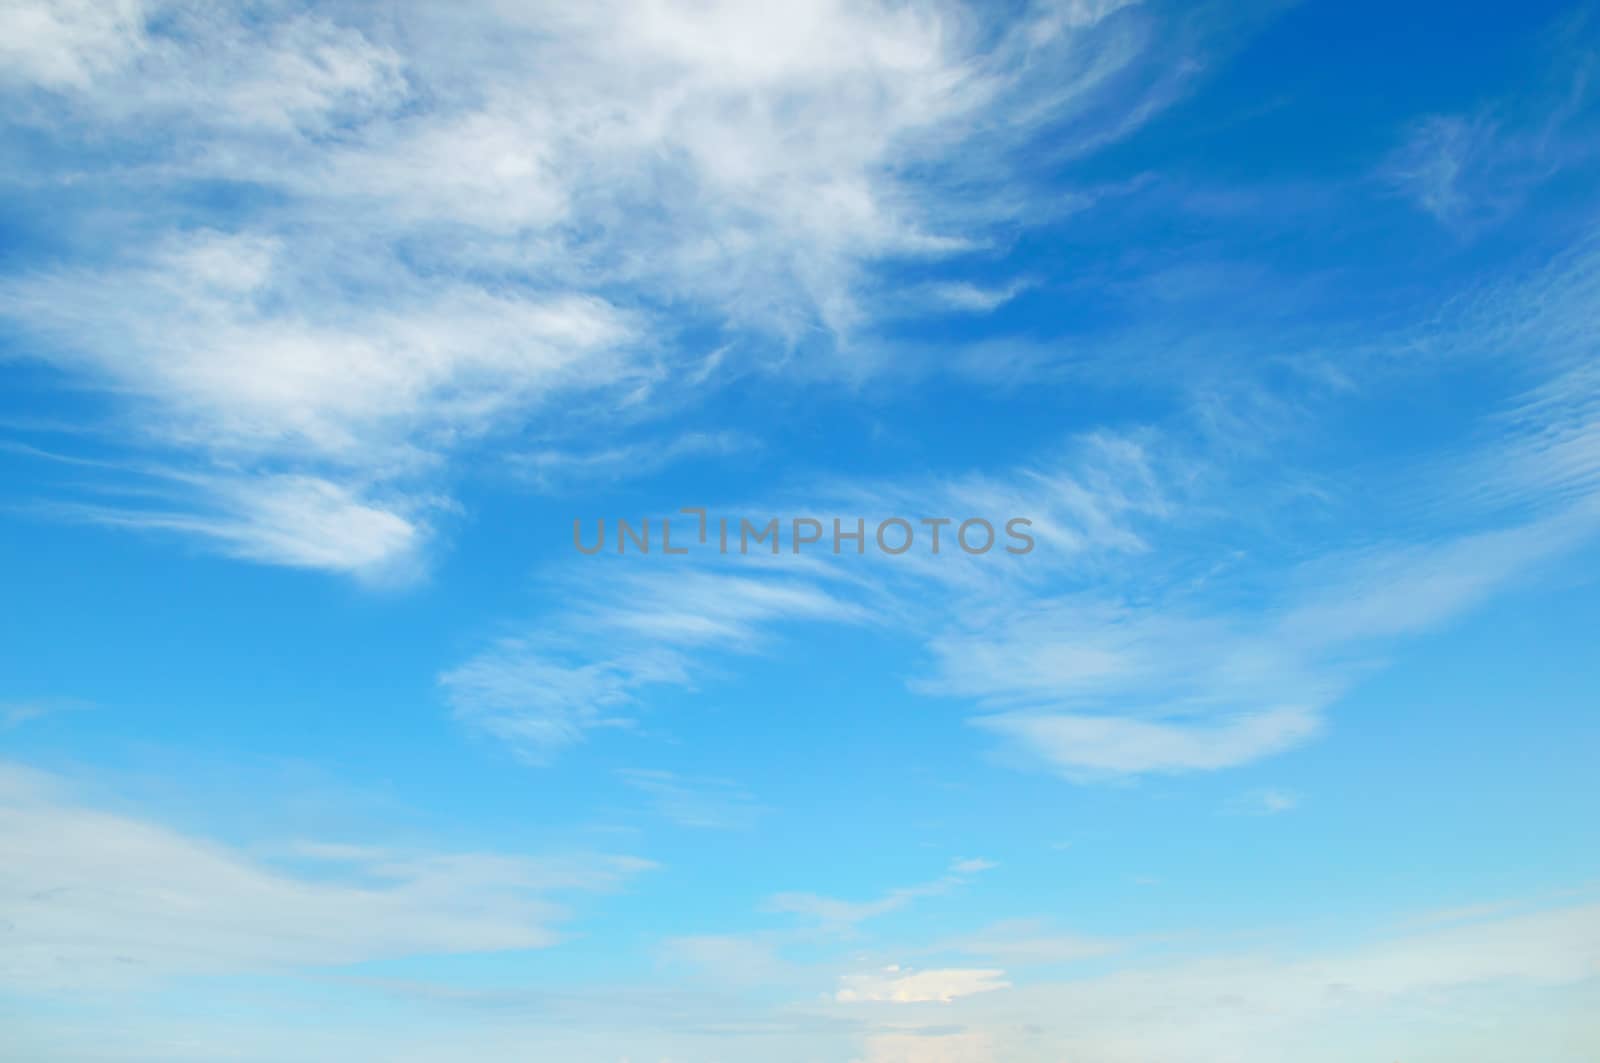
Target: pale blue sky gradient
[(321, 323)]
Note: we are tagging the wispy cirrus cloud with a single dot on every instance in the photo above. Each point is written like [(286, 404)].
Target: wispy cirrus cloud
[(1252, 1006), (1118, 647), (1525, 972), (835, 914), (1473, 170), (544, 691), (290, 520), (1021, 943), (966, 297), (98, 898), (695, 803), (17, 713), (1267, 802), (556, 469), (897, 985), (1084, 746), (445, 220), (663, 621)]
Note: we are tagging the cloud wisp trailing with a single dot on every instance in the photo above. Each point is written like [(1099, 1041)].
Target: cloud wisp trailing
[(1118, 647), (329, 333), (467, 215), (93, 898)]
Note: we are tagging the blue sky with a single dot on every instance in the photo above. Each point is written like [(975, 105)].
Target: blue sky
[(320, 325)]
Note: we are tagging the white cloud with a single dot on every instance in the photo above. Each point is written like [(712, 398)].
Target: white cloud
[(556, 469), (68, 44), (1269, 802), (834, 913), (274, 72), (1473, 170), (1024, 943), (1163, 679), (1483, 991), (17, 713), (464, 198), (540, 693), (1109, 650), (92, 898), (660, 621), (1090, 746), (306, 417), (536, 702), (972, 298), (1434, 160), (238, 345), (741, 960), (701, 804), (896, 985), (933, 1047), (297, 521)]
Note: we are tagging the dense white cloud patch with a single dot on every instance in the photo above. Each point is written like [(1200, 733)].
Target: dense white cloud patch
[(67, 45), (455, 213)]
